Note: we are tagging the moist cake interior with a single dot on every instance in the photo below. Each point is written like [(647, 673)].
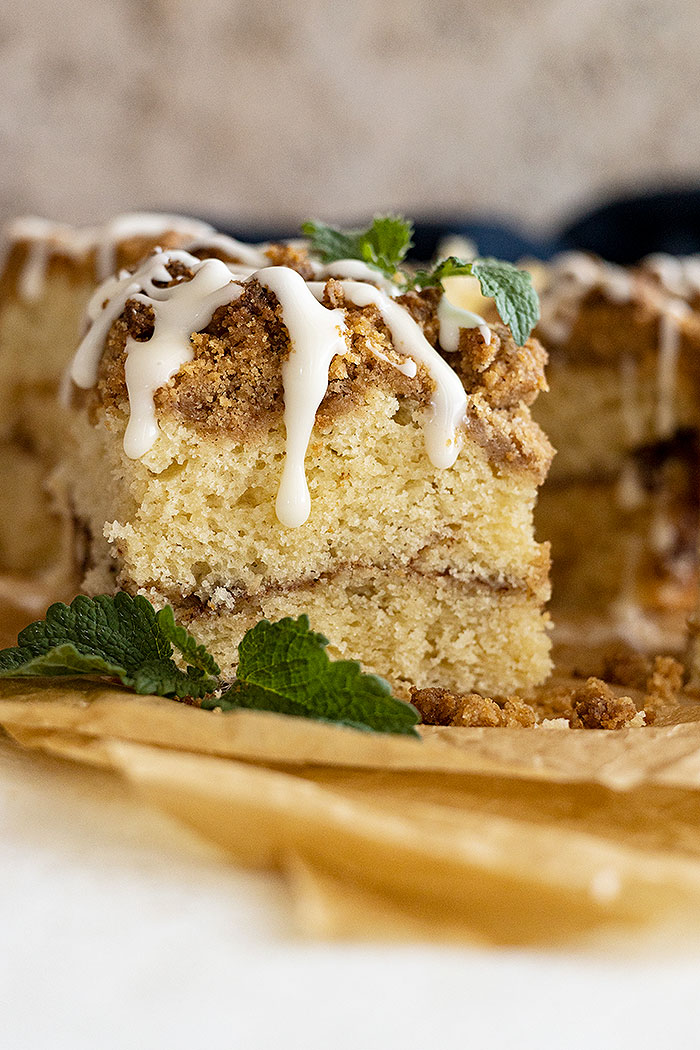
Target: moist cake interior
[(414, 551)]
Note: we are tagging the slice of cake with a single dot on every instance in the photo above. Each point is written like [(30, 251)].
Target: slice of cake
[(48, 272), (307, 439), (621, 503)]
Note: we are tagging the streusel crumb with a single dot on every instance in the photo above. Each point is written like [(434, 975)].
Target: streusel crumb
[(441, 707), (591, 705), (663, 686), (596, 706)]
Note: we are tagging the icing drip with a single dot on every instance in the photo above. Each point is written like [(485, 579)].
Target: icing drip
[(574, 275), (356, 270), (32, 275), (140, 224), (316, 334), (179, 310), (452, 319), (631, 417), (448, 406), (669, 346), (252, 255), (630, 491)]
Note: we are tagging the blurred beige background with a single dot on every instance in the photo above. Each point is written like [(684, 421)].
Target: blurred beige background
[(276, 111)]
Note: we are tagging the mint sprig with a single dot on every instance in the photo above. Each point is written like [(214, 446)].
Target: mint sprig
[(384, 246), (283, 666), (117, 637), (511, 289)]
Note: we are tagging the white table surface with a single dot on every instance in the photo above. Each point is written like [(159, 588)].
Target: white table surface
[(119, 929)]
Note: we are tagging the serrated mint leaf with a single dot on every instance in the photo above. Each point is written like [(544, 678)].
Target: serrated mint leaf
[(383, 245), (512, 291), (284, 667), (61, 660), (386, 243), (449, 267), (330, 243), (196, 656), (115, 636)]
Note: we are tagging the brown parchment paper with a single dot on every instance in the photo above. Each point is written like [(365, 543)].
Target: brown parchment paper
[(508, 836), (622, 759)]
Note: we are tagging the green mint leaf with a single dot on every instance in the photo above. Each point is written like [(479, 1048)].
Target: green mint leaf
[(331, 244), (383, 245), (284, 667), (450, 267), (119, 637), (63, 659), (386, 243), (512, 291), (199, 661)]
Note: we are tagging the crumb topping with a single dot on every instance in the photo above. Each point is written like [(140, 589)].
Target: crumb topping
[(504, 373), (233, 381), (471, 710), (295, 256), (592, 704), (596, 706)]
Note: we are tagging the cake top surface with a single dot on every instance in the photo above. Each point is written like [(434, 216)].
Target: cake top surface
[(225, 344), (30, 244), (605, 310)]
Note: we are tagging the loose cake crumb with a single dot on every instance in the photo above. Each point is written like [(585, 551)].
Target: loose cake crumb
[(623, 665), (663, 685), (597, 707), (472, 710), (476, 710), (519, 713), (591, 705)]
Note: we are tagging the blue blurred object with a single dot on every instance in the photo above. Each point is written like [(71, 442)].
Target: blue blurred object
[(622, 230), (627, 229), (492, 238)]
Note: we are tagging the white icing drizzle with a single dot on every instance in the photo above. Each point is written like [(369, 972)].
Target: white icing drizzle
[(579, 267), (678, 275), (452, 319), (316, 334), (448, 406), (141, 224), (667, 366), (151, 364), (179, 310), (574, 274), (253, 255), (356, 270), (43, 238)]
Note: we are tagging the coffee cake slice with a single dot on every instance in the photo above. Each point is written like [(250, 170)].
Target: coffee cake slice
[(621, 503), (297, 439), (48, 272)]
